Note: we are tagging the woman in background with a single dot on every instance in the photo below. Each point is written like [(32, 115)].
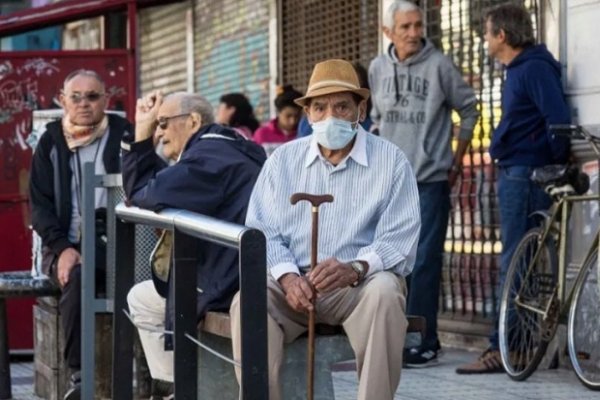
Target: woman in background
[(283, 127), (235, 111)]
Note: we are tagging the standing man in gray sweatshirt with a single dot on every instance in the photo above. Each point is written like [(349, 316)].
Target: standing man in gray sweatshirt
[(414, 90)]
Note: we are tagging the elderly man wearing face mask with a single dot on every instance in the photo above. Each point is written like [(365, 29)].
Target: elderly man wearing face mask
[(367, 236), (85, 134)]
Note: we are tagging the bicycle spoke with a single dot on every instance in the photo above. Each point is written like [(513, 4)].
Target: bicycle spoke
[(531, 278), (584, 327)]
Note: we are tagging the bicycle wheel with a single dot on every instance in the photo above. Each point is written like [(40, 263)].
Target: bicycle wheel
[(524, 332), (584, 326)]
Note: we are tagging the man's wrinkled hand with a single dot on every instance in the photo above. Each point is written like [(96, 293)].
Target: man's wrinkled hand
[(332, 274), (66, 261), (146, 113), (298, 292)]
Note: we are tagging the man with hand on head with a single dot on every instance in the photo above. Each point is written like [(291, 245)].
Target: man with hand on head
[(84, 134), (214, 172), (359, 279)]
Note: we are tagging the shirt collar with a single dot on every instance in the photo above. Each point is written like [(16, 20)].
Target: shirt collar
[(358, 152)]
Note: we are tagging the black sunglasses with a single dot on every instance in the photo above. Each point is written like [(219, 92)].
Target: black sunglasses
[(92, 97), (163, 122)]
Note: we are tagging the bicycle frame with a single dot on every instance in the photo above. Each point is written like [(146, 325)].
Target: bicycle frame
[(556, 226)]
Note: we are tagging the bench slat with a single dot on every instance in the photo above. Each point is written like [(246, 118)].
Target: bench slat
[(218, 324)]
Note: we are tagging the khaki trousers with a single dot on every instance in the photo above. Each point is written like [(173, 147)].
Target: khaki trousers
[(372, 314), (147, 309)]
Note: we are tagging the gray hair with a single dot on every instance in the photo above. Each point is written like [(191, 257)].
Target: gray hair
[(515, 21), (83, 72), (194, 103), (398, 6)]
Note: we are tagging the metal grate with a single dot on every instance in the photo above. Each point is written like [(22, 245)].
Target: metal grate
[(473, 247), (312, 31), (232, 50), (145, 240)]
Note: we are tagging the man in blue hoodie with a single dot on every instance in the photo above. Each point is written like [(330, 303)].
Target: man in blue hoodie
[(415, 89), (532, 99), (214, 172)]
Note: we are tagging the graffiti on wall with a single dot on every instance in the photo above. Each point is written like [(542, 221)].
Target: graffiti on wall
[(244, 69), (233, 52)]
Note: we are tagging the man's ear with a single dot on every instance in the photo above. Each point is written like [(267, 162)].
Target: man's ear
[(62, 99), (196, 120), (307, 114), (362, 110), (387, 32), (501, 36)]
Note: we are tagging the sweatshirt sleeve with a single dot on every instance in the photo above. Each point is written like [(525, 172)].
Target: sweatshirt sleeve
[(460, 97), (545, 90), (375, 112)]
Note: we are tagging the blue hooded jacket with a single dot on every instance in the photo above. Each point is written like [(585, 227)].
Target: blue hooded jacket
[(532, 99)]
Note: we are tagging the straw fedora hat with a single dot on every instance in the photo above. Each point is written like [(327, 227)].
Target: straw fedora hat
[(333, 76)]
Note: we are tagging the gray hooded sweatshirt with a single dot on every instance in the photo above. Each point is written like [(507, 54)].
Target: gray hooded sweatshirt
[(412, 105)]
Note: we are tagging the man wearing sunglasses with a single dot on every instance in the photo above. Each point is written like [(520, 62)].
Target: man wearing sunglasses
[(84, 134), (214, 172)]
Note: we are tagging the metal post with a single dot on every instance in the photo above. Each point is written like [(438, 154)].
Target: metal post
[(123, 330), (5, 385), (253, 301), (88, 281), (185, 296)]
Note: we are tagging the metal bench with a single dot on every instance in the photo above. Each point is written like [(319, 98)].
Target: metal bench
[(13, 285)]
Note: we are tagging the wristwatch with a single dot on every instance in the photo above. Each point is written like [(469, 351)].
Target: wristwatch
[(360, 271)]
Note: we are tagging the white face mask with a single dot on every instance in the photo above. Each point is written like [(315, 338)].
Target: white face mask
[(334, 133)]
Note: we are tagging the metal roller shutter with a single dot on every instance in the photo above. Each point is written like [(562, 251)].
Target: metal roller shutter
[(315, 30), (232, 50), (163, 48)]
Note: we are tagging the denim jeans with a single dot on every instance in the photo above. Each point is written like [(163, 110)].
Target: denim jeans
[(424, 281), (518, 198)]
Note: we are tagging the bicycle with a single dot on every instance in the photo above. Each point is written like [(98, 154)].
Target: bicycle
[(534, 297)]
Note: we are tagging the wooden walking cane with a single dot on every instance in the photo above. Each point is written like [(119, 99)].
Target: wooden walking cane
[(316, 201)]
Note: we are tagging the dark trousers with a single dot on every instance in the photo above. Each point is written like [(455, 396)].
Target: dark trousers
[(424, 281), (518, 198), (69, 307)]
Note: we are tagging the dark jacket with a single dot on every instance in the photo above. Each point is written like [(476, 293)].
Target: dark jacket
[(50, 182), (214, 177), (532, 99)]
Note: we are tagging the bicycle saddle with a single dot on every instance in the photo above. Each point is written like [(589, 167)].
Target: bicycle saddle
[(561, 179)]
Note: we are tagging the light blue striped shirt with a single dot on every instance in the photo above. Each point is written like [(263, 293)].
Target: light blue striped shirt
[(374, 217)]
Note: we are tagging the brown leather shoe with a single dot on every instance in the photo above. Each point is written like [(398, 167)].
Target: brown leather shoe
[(489, 362)]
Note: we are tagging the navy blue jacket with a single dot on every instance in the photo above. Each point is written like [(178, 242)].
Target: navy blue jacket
[(214, 177), (532, 99)]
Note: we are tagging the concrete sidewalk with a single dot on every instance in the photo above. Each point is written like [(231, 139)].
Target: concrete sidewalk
[(435, 383), (442, 383)]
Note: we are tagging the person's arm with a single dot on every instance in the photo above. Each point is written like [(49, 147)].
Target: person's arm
[(456, 166), (44, 215), (545, 90), (375, 112), (397, 232), (263, 215), (461, 98), (140, 166)]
